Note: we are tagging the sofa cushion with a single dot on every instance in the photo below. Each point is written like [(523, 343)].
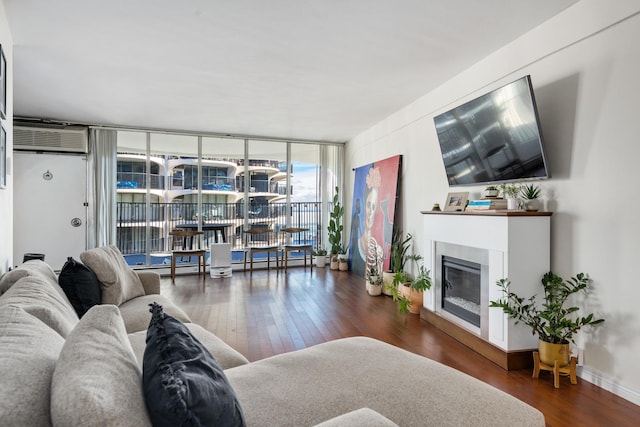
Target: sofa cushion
[(28, 353), (96, 381), (340, 376), (136, 316), (226, 355), (10, 277), (119, 282), (183, 384), (363, 417), (34, 267), (81, 286), (38, 298)]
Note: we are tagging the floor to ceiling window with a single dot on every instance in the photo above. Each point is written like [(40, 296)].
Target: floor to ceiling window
[(167, 181)]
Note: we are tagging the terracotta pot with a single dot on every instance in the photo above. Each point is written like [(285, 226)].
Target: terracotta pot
[(549, 353), (416, 298), (387, 282)]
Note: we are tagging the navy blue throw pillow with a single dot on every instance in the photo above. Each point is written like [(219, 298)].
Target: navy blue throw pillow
[(182, 382), (81, 285)]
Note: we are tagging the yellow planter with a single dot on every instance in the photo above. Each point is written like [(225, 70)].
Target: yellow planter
[(549, 353)]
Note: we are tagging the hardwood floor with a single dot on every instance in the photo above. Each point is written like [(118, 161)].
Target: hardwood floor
[(272, 312)]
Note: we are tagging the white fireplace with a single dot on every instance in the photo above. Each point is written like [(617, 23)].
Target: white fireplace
[(490, 246)]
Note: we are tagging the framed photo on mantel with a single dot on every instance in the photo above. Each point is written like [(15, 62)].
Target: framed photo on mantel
[(3, 84), (456, 201)]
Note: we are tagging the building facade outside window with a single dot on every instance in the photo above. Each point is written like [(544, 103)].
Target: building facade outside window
[(167, 181)]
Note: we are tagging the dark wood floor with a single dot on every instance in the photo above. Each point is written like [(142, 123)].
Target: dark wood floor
[(271, 312)]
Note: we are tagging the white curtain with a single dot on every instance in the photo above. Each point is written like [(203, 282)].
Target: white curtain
[(332, 176), (102, 187)]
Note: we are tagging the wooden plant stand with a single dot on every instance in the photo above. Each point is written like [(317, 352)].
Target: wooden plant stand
[(557, 370)]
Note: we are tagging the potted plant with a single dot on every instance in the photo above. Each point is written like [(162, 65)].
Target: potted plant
[(409, 295), (343, 259), (554, 324), (321, 257), (335, 227), (398, 258), (511, 192), (372, 274), (490, 192), (531, 194), (374, 282), (333, 261)]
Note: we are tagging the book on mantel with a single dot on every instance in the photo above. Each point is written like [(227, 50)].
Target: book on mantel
[(486, 204)]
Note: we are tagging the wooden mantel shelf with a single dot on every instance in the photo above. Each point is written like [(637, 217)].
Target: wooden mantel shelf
[(492, 213)]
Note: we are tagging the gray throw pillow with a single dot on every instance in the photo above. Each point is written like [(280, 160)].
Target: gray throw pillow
[(118, 281), (28, 353), (183, 383), (97, 381)]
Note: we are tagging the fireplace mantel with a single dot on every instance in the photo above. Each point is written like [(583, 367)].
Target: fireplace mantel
[(517, 245)]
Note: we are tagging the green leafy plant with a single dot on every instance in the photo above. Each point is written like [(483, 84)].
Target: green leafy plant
[(320, 252), (335, 227), (402, 301), (510, 190), (399, 247), (550, 320), (420, 283), (530, 192)]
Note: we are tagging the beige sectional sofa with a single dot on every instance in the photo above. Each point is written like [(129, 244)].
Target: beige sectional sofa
[(57, 369)]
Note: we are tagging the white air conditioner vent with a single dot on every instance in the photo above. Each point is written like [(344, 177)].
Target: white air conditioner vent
[(66, 140)]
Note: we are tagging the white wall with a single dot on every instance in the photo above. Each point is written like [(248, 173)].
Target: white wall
[(585, 68), (6, 195)]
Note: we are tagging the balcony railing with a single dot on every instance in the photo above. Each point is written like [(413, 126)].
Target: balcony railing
[(132, 221), (135, 180)]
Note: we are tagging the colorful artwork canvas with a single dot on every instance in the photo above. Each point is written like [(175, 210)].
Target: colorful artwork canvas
[(372, 215)]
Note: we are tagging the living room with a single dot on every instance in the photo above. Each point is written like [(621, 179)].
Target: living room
[(584, 68)]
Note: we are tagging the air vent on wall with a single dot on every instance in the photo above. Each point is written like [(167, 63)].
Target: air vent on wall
[(66, 140)]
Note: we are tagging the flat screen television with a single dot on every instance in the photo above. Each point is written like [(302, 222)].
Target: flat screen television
[(493, 138)]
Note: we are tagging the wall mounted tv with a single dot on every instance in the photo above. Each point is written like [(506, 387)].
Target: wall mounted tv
[(494, 138)]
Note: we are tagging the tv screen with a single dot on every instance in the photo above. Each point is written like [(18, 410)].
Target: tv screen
[(493, 138)]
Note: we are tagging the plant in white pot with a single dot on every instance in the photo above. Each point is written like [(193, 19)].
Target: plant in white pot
[(399, 255), (321, 257), (374, 282), (531, 194), (511, 193), (555, 324)]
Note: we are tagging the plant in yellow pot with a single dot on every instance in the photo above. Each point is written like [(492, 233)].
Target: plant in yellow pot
[(554, 323)]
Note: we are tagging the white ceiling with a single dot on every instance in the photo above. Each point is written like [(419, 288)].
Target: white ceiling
[(320, 70)]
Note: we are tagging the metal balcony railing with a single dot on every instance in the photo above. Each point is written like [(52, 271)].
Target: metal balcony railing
[(161, 218)]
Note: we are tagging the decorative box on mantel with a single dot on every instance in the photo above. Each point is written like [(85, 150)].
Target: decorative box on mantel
[(467, 253)]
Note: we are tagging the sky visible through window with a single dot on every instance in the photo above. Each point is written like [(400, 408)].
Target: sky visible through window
[(304, 182)]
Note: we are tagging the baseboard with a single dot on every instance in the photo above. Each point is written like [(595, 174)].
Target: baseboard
[(509, 360), (609, 384)]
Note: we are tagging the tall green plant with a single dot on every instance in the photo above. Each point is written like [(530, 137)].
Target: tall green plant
[(399, 247), (335, 227), (550, 320)]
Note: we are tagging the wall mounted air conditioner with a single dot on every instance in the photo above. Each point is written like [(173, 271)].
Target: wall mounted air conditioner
[(70, 139)]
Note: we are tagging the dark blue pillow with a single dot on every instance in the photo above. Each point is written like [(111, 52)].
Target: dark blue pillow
[(182, 382), (81, 285)]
